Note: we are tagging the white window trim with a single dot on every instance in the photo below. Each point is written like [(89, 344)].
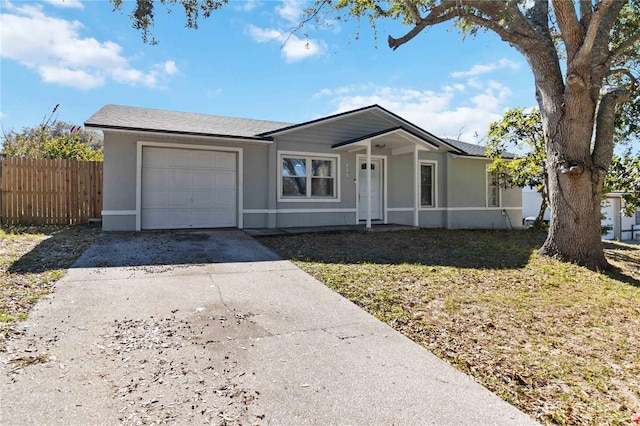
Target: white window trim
[(239, 151), (486, 190), (309, 198), (434, 184)]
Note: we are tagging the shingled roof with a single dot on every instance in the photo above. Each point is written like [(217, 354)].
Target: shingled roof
[(121, 117), (472, 149), (145, 119)]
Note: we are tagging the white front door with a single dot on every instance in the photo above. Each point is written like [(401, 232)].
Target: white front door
[(376, 189)]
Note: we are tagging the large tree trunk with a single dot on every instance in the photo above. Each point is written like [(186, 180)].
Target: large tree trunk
[(575, 188), (575, 230)]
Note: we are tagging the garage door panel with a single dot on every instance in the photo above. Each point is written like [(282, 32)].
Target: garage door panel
[(184, 188), (203, 179), (154, 157), (202, 199), (225, 180), (155, 199), (225, 160), (156, 178), (180, 158), (223, 200), (222, 219), (203, 160), (179, 199), (180, 179)]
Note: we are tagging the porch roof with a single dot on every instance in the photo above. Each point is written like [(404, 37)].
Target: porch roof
[(398, 139)]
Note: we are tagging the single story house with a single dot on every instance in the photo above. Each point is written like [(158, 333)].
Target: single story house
[(167, 170), (620, 226)]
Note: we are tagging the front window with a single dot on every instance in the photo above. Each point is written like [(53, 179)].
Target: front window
[(306, 177), (493, 189), (427, 194)]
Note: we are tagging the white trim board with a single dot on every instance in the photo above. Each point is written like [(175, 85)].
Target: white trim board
[(452, 209), (159, 133), (273, 211), (118, 212)]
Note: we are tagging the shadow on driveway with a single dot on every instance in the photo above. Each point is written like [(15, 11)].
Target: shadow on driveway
[(117, 249)]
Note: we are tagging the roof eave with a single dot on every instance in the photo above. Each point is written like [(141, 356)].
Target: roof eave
[(234, 138)]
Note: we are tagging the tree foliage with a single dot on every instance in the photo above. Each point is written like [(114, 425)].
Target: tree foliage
[(53, 139), (624, 177), (64, 141), (521, 130)]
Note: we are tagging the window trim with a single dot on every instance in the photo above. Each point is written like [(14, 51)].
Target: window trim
[(309, 156), (434, 184), (486, 189)]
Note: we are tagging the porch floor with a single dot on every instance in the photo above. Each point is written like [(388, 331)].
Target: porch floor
[(382, 227)]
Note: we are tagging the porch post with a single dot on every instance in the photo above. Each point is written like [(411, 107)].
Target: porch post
[(369, 184), (416, 186)]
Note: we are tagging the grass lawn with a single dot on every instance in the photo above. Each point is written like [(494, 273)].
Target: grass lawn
[(32, 259), (558, 341)]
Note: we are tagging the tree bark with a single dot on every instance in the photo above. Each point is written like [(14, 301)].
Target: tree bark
[(575, 191)]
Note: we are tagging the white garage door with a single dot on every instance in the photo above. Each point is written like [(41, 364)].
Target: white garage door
[(186, 188)]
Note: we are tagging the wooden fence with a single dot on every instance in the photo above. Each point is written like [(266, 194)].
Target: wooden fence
[(50, 192)]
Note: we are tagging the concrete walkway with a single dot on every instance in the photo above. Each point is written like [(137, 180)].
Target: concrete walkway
[(210, 327)]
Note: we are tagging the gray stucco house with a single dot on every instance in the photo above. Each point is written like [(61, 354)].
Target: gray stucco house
[(166, 170)]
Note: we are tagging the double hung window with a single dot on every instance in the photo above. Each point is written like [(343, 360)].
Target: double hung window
[(308, 177)]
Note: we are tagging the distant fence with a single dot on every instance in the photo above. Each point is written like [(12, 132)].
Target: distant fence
[(49, 192)]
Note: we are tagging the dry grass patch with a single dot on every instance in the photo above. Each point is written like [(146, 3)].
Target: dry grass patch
[(560, 342), (32, 259)]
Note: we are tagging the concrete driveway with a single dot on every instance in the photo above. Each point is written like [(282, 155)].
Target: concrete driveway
[(210, 327)]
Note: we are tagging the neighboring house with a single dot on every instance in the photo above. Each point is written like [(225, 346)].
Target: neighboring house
[(622, 227), (166, 170)]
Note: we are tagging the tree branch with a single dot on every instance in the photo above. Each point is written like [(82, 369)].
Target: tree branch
[(583, 56), (605, 122), (413, 11), (625, 71), (445, 11), (626, 45), (570, 29), (585, 11)]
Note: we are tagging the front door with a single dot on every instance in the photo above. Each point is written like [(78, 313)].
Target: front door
[(376, 189)]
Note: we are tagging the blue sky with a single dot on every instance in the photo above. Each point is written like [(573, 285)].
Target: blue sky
[(82, 55)]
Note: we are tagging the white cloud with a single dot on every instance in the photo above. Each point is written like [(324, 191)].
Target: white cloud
[(170, 68), (245, 5), (61, 55), (70, 4), (293, 48), (479, 69), (291, 10), (449, 112)]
